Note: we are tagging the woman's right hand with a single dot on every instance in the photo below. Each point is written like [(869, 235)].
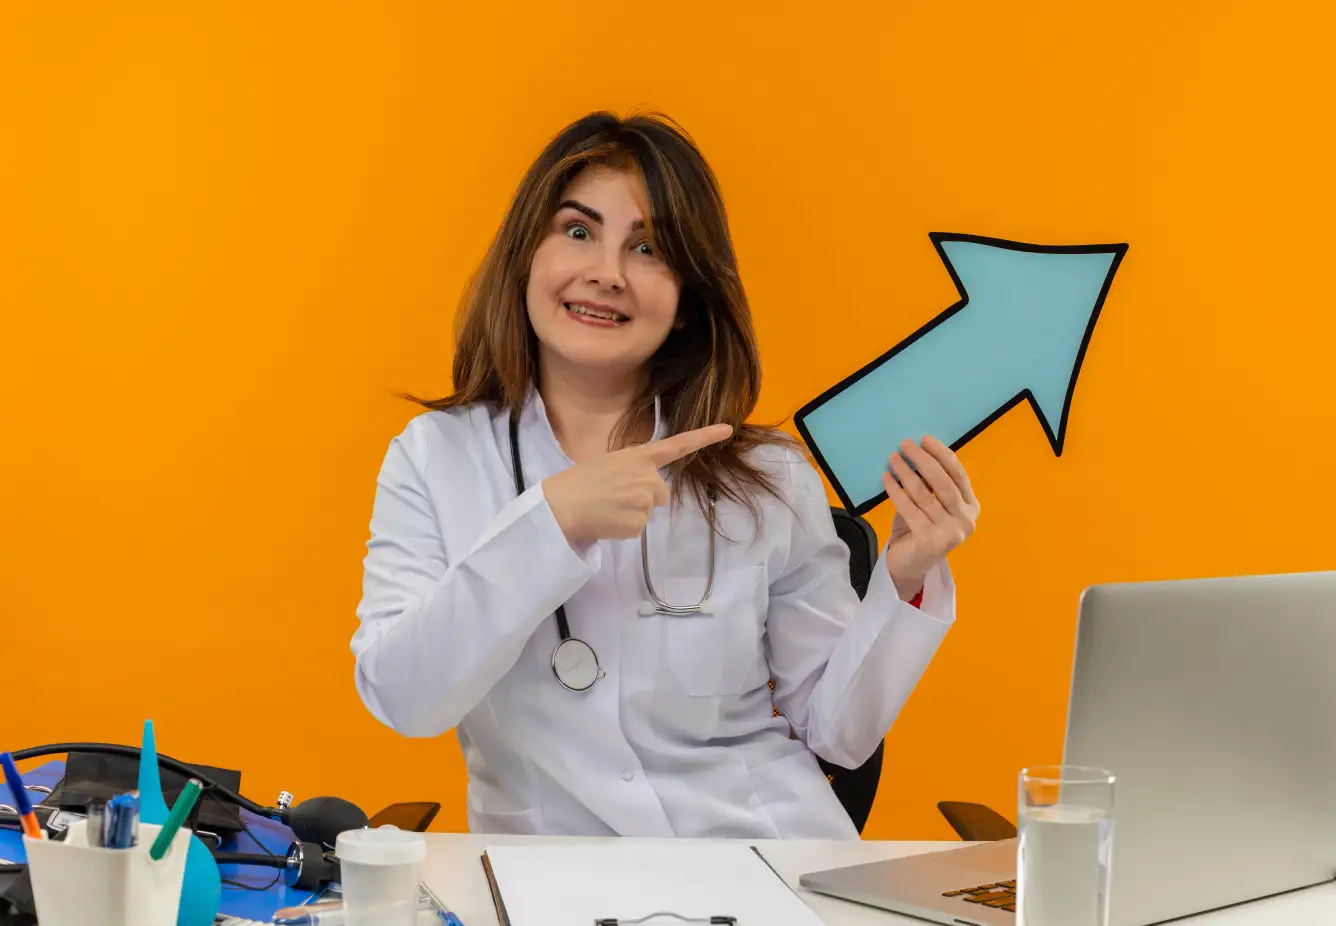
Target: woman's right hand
[(612, 497)]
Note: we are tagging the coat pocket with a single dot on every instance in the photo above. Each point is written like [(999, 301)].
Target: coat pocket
[(527, 822), (718, 653)]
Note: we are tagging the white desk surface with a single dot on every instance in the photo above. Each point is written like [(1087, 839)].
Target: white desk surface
[(454, 872)]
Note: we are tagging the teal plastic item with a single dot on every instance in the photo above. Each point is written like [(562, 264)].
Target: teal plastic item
[(202, 887)]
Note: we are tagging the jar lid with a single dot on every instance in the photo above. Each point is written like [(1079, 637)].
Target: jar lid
[(384, 845)]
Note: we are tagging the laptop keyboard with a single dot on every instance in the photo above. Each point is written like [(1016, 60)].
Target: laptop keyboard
[(1001, 895)]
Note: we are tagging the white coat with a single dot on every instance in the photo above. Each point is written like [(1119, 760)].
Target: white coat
[(681, 738)]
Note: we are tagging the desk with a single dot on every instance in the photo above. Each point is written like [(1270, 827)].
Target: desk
[(452, 870)]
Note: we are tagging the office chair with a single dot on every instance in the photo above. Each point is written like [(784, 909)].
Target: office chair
[(857, 788), (976, 822), (412, 816)]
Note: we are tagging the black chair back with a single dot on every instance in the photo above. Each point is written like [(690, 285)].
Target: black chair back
[(861, 540), (857, 788)]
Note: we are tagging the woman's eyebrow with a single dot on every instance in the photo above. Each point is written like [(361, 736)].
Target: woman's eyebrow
[(593, 213)]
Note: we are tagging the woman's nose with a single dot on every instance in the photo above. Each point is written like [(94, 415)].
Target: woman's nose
[(605, 269)]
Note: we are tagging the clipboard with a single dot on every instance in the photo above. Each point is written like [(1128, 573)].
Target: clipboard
[(655, 884), (501, 917)]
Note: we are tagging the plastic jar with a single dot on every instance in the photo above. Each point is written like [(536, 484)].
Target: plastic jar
[(379, 871)]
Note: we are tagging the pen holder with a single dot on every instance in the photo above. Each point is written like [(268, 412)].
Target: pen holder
[(75, 884)]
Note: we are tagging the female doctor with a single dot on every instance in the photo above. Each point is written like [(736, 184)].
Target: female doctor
[(587, 562)]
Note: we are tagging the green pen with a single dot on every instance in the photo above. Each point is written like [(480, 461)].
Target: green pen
[(180, 810)]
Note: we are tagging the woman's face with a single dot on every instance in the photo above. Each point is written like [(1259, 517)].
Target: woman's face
[(599, 296)]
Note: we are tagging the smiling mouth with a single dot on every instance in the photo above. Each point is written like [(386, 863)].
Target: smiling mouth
[(602, 314)]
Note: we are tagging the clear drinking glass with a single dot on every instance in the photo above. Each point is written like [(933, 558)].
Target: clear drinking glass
[(1066, 842)]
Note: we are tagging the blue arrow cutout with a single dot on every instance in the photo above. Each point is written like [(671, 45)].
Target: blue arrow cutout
[(1019, 331)]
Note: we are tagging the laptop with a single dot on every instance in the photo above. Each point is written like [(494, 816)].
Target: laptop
[(1213, 703)]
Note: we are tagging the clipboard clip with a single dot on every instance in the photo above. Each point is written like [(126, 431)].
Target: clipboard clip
[(712, 920)]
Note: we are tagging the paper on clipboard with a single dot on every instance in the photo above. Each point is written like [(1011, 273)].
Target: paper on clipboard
[(573, 885)]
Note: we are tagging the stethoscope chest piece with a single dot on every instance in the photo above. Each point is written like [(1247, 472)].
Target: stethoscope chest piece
[(575, 664)]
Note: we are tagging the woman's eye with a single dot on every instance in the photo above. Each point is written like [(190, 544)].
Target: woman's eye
[(645, 248), (577, 231)]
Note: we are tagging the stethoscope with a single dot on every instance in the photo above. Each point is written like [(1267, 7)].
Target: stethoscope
[(574, 662)]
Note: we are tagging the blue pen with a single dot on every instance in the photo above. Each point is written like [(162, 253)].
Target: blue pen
[(122, 826), (447, 917), (441, 910)]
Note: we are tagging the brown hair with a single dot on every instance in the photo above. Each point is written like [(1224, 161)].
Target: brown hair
[(707, 371)]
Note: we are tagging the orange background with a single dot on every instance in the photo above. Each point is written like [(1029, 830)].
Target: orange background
[(229, 231)]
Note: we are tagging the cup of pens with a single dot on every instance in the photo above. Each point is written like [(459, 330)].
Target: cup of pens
[(112, 869)]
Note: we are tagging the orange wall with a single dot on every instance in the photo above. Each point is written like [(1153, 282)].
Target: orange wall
[(228, 231)]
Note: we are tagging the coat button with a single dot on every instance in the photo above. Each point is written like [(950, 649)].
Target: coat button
[(627, 775)]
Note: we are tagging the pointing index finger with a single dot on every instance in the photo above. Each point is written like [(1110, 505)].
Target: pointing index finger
[(665, 451)]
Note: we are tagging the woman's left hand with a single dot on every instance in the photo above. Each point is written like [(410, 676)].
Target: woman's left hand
[(935, 511)]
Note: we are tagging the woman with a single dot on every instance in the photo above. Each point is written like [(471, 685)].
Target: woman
[(606, 347)]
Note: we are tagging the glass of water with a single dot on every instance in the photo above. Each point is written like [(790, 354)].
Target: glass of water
[(1066, 840)]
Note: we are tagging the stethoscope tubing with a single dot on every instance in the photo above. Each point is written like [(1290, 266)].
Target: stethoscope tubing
[(659, 606)]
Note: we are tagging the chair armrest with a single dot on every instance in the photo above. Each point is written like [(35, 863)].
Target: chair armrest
[(975, 822), (414, 817)]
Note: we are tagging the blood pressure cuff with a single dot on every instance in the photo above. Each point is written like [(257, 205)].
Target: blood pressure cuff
[(95, 776)]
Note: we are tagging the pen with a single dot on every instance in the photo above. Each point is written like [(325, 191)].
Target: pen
[(447, 916), (122, 824), (27, 818), (96, 825), (185, 802)]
